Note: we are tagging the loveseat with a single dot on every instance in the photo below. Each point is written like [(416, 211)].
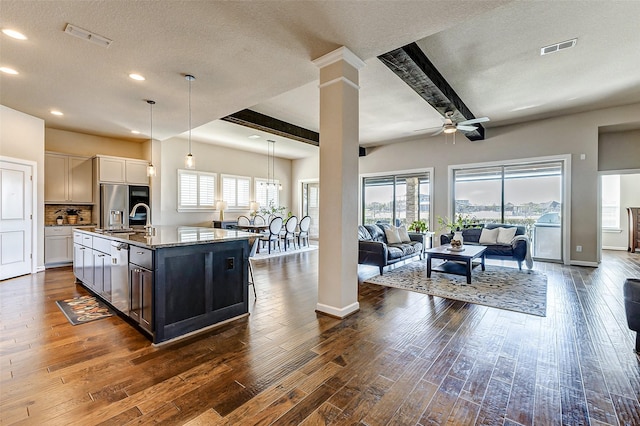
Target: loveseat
[(517, 248), (374, 248)]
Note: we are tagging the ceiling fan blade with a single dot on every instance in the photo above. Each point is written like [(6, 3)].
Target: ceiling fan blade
[(466, 128), (474, 121)]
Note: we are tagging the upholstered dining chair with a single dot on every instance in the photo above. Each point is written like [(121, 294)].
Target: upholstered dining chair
[(258, 220), (303, 233), (243, 221), (289, 233), (273, 236)]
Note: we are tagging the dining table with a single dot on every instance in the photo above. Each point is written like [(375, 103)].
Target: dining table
[(253, 228)]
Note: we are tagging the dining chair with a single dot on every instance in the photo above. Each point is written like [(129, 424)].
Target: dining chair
[(273, 236), (259, 220), (289, 233), (243, 221), (252, 253), (303, 233)]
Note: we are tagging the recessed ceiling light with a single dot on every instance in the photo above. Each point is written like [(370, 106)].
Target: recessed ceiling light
[(254, 137), (137, 77), (8, 70), (14, 34), (135, 132), (56, 112)]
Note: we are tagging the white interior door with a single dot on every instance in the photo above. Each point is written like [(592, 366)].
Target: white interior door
[(15, 219)]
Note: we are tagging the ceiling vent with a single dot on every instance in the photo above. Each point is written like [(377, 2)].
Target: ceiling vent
[(87, 36), (558, 47)]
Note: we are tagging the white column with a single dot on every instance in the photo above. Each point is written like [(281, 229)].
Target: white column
[(338, 254)]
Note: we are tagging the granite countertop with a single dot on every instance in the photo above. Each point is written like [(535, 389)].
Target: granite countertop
[(173, 236), (70, 224)]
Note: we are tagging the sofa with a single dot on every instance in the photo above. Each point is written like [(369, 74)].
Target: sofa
[(517, 249), (374, 248)]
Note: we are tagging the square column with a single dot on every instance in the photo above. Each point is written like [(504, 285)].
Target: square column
[(339, 143)]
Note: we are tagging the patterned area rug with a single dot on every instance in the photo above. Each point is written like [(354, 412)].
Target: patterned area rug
[(499, 287), (83, 309)]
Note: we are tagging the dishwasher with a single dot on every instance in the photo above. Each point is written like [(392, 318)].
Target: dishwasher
[(120, 276)]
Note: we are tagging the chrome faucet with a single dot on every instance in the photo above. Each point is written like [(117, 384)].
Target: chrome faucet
[(148, 227)]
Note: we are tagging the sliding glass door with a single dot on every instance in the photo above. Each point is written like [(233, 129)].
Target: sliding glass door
[(520, 194), (396, 199)]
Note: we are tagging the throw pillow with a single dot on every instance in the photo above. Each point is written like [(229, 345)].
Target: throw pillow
[(403, 234), (392, 235), (489, 236), (506, 235)]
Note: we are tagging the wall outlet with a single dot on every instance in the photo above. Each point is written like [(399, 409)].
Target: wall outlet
[(578, 249)]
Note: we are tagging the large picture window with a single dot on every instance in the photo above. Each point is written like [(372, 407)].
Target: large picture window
[(520, 194), (196, 190), (235, 191), (611, 201), (396, 199)]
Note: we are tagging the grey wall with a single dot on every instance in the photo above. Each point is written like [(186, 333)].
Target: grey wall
[(574, 135), (619, 151)]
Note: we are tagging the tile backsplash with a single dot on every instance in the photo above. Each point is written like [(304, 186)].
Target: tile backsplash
[(51, 212)]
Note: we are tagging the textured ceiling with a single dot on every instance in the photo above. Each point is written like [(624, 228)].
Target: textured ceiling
[(258, 55)]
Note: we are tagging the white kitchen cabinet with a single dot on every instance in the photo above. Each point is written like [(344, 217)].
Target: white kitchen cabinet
[(136, 172), (121, 170), (58, 245), (68, 179)]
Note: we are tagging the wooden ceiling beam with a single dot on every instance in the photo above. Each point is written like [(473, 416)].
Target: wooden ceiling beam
[(414, 68), (258, 121)]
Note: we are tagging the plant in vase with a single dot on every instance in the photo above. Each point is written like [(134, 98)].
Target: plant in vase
[(272, 209), (455, 227)]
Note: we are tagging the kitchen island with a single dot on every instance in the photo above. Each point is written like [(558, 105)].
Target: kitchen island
[(180, 280)]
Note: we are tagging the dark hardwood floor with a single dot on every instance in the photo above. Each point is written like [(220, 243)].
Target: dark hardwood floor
[(404, 359)]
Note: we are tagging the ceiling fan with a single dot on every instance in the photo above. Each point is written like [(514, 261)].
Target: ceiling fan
[(449, 126)]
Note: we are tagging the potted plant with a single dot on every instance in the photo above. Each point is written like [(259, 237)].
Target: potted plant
[(59, 219), (418, 226), (72, 214), (272, 209)]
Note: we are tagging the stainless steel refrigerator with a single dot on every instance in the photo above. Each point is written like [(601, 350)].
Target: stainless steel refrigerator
[(114, 206)]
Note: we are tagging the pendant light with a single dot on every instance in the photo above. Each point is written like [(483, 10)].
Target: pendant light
[(271, 164), (189, 162), (151, 170)]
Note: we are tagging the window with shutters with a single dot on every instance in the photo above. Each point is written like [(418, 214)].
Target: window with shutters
[(196, 190), (236, 191), (267, 192)]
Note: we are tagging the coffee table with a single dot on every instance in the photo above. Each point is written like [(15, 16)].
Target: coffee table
[(457, 262)]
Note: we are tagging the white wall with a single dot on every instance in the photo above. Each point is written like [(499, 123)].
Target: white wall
[(215, 159), (22, 136), (303, 170), (629, 197)]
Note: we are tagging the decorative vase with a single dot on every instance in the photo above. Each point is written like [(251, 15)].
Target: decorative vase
[(457, 241), (72, 219)]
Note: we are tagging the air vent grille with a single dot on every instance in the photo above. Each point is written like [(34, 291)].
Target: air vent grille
[(558, 47), (87, 36)]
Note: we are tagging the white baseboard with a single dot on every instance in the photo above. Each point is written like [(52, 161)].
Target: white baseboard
[(338, 312), (39, 269), (583, 263), (614, 248)]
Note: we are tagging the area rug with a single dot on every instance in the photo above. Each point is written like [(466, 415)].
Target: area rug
[(83, 309), (264, 252), (498, 287)]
